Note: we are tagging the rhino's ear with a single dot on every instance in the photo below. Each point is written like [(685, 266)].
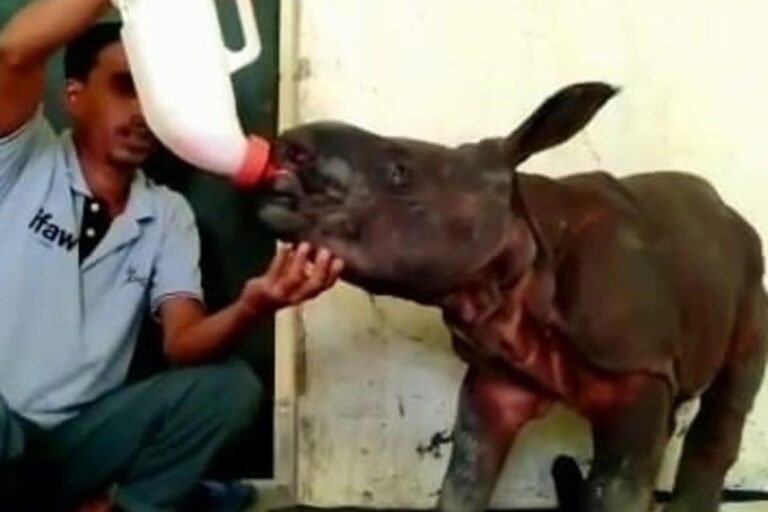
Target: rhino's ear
[(556, 120)]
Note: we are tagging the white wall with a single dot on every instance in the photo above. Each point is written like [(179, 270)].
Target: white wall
[(694, 79)]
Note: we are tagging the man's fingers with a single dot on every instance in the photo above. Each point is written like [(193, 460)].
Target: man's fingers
[(315, 272), (337, 266), (320, 276), (279, 260), (321, 265), (293, 275)]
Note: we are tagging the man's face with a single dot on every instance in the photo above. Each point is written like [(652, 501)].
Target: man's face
[(106, 113)]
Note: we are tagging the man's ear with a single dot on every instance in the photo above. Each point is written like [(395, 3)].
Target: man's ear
[(73, 90), (556, 120)]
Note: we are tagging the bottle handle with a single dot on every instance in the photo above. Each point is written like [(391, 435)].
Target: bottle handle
[(252, 47)]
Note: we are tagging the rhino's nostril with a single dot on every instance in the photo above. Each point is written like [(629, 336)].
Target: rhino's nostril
[(298, 154)]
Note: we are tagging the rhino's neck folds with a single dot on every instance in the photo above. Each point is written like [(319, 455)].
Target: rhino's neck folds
[(509, 315), (517, 323)]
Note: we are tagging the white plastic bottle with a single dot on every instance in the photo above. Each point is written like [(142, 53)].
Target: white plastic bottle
[(182, 71)]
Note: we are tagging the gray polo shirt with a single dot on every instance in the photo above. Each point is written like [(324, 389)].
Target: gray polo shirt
[(68, 330)]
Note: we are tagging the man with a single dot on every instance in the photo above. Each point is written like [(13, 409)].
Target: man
[(89, 245)]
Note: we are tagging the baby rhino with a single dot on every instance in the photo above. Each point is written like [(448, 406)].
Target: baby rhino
[(621, 298)]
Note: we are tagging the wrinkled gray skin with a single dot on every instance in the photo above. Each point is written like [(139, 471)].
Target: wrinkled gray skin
[(619, 297)]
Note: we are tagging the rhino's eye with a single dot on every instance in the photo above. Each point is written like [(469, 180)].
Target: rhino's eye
[(397, 174)]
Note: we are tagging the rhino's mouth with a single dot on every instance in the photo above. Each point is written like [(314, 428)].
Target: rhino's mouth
[(279, 207), (288, 207)]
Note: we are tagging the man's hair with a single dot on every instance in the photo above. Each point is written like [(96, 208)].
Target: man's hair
[(81, 54)]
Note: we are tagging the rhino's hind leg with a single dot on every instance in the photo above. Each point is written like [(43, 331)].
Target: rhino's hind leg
[(492, 409), (712, 444), (628, 448)]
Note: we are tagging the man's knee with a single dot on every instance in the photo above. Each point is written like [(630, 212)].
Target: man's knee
[(11, 434), (5, 426), (232, 391), (5, 411)]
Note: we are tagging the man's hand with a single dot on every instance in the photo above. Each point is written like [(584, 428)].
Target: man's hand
[(292, 278), (191, 337)]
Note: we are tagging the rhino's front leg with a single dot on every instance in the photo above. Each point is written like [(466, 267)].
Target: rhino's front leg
[(492, 409), (629, 445)]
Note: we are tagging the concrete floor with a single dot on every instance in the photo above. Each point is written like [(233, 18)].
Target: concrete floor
[(271, 502), (746, 507), (265, 507)]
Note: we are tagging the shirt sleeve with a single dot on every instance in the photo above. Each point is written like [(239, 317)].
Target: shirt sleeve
[(177, 267), (17, 149)]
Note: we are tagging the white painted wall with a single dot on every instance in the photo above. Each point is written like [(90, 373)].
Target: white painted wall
[(694, 79)]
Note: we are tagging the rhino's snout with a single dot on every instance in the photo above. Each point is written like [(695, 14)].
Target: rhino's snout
[(286, 192), (310, 192), (294, 153)]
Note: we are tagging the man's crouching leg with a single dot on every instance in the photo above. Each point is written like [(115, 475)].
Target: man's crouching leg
[(150, 443), (14, 463)]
